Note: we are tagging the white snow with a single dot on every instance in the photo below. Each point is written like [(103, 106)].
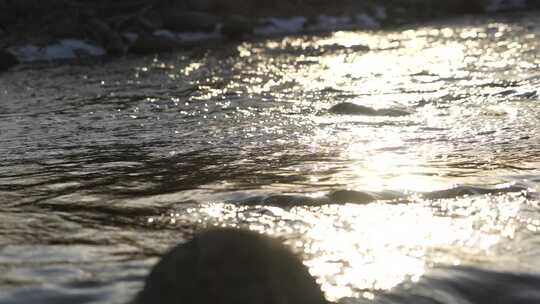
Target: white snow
[(272, 26), (166, 34), (188, 36), (332, 23), (199, 36), (62, 49)]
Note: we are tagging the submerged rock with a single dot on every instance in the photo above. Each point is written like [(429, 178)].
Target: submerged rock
[(7, 60), (286, 200), (349, 108), (226, 266), (352, 109), (351, 196)]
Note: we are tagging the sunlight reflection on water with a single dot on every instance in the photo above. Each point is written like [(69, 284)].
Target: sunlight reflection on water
[(147, 161), (352, 248)]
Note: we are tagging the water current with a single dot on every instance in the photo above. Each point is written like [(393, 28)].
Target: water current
[(429, 194)]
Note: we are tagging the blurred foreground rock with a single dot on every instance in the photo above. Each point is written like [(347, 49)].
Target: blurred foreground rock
[(230, 266)]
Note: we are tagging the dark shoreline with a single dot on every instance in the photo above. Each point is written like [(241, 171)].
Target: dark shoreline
[(134, 26)]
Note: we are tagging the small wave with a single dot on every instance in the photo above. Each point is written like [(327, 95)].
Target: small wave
[(343, 196), (467, 285), (332, 197), (471, 190)]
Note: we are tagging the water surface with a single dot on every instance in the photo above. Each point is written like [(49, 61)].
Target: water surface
[(106, 165)]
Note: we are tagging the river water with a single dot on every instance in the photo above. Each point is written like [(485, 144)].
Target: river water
[(106, 165)]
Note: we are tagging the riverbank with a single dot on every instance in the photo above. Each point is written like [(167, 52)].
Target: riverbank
[(68, 29)]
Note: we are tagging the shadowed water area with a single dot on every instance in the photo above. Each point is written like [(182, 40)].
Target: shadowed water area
[(429, 193)]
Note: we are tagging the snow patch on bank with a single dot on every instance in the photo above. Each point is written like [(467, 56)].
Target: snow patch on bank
[(188, 36), (272, 26), (297, 25), (63, 49), (74, 49), (66, 49)]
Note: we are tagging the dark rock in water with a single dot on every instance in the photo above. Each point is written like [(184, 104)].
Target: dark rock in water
[(151, 44), (237, 27), (334, 197), (190, 22), (7, 60), (230, 266), (352, 109), (294, 200), (108, 37), (351, 196), (349, 108), (392, 112), (285, 200)]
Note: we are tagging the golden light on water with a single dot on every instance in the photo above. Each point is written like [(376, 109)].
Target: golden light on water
[(356, 249), (385, 67), (352, 249)]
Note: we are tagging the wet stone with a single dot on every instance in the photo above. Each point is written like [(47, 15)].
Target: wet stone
[(226, 266), (109, 38), (351, 196), (285, 200), (349, 108), (7, 60)]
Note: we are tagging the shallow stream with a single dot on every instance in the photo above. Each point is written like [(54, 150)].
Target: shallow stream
[(106, 165)]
